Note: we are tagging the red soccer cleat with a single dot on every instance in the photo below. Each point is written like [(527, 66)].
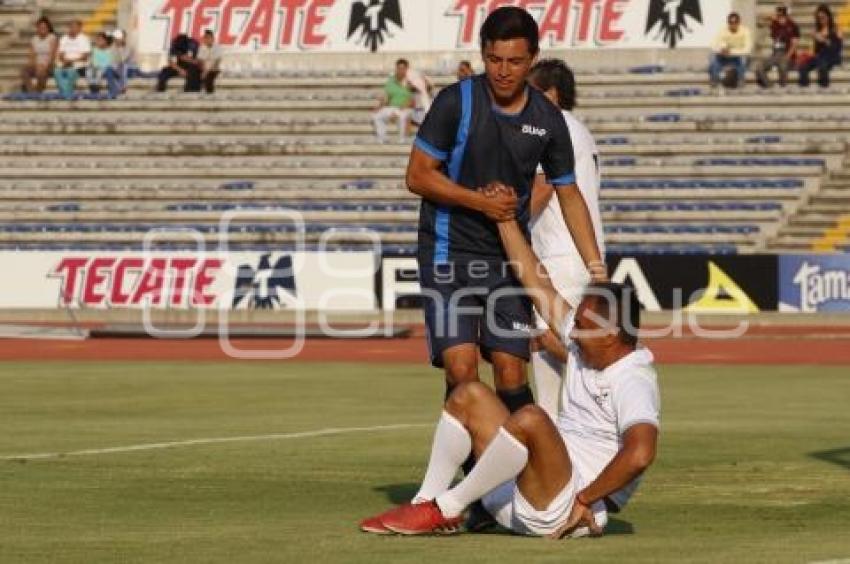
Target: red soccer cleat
[(373, 525), (421, 519)]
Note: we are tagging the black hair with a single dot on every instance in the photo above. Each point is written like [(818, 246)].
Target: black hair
[(621, 301), (735, 15), (782, 10), (510, 22), (554, 73), (402, 62), (829, 17), (209, 33), (105, 36), (46, 21)]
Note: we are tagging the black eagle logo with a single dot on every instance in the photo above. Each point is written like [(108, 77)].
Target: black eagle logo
[(264, 283), (669, 17), (371, 19)]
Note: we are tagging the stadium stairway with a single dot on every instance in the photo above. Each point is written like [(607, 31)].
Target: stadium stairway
[(823, 225)]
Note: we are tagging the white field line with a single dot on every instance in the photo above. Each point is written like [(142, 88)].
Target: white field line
[(212, 441)]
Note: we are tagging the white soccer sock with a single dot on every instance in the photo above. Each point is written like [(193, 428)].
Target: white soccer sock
[(452, 445), (548, 378), (503, 460)]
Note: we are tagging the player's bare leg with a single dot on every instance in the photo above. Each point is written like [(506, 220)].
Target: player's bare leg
[(461, 364), (548, 469), (510, 375), (525, 446)]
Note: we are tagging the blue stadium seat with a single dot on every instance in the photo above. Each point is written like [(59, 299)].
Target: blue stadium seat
[(786, 183), (647, 69), (769, 161), (669, 248)]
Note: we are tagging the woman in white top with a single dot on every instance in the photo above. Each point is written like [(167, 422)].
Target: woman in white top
[(41, 56)]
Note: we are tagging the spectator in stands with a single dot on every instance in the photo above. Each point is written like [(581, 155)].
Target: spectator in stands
[(182, 61), (422, 89), (104, 59), (828, 47), (732, 47), (42, 54), (464, 70), (125, 59), (396, 103), (72, 58), (210, 57), (785, 36)]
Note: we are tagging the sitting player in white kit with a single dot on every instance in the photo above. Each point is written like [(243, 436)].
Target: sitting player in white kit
[(535, 477)]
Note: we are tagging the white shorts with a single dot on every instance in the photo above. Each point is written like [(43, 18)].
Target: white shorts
[(569, 276), (511, 510)]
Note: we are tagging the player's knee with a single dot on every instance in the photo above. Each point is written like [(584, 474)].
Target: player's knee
[(527, 420), (510, 379), (461, 371), (466, 395)]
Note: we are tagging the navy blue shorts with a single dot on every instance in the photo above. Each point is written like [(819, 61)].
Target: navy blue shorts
[(479, 303)]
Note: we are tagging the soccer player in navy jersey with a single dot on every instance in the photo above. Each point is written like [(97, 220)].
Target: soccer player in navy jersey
[(489, 129)]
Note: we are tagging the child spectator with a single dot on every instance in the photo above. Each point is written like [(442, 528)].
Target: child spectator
[(210, 57), (101, 67), (125, 66), (41, 56), (72, 59)]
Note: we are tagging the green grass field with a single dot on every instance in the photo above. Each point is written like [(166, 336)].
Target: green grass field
[(754, 466)]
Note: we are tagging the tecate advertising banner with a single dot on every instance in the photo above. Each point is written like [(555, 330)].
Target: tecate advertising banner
[(184, 280), (352, 26), (814, 283)]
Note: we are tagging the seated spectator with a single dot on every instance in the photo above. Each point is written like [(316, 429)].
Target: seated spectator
[(42, 53), (210, 57), (464, 70), (785, 36), (71, 59), (828, 48), (422, 89), (182, 61), (732, 47), (104, 59), (125, 60), (395, 104)]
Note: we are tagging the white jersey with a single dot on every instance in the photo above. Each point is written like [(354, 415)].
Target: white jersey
[(598, 407), (549, 234)]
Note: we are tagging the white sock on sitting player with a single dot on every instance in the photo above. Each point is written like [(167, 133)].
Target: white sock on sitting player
[(452, 445), (548, 377), (503, 460)]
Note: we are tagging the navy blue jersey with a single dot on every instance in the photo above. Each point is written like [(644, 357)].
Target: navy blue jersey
[(479, 144)]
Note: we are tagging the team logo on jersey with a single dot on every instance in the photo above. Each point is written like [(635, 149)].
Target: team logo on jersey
[(533, 130), (265, 284), (668, 19), (371, 19)]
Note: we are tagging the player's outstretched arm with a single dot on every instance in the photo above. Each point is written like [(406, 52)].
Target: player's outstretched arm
[(534, 278), (425, 178), (577, 218)]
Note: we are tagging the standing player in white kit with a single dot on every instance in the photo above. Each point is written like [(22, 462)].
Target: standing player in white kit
[(550, 236)]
